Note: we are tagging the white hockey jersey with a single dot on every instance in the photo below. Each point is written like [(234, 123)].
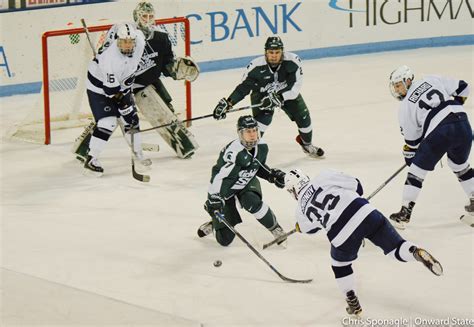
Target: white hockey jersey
[(111, 72), (332, 201), (427, 103)]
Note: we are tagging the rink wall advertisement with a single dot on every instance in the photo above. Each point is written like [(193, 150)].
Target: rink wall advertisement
[(226, 34)]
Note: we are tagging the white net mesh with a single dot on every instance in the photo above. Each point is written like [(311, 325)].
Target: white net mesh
[(68, 58)]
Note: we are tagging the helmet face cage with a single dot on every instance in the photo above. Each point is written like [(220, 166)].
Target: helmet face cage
[(401, 74), (126, 39), (245, 123), (144, 23), (295, 181)]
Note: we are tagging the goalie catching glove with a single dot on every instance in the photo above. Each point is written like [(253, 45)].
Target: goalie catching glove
[(220, 111), (271, 101), (184, 68), (214, 203), (409, 154)]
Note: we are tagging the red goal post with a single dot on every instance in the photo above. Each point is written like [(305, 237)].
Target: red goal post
[(48, 110)]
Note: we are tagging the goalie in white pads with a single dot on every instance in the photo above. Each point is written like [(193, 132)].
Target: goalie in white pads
[(109, 81), (433, 122), (333, 201), (152, 98)]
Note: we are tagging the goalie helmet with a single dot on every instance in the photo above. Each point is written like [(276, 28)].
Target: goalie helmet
[(398, 78), (126, 39), (247, 128), (295, 181), (144, 17)]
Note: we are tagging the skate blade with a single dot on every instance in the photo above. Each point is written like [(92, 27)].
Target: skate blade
[(399, 225), (430, 262), (91, 173), (467, 219)]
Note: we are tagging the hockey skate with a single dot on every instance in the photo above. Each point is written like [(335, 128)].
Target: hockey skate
[(353, 305), (144, 162), (309, 149), (93, 167), (401, 218), (427, 260), (278, 232), (205, 229), (469, 218)]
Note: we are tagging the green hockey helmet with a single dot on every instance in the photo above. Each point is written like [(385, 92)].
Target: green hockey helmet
[(246, 125), (274, 43)]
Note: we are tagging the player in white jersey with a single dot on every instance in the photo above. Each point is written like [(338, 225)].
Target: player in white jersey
[(333, 201), (433, 122), (109, 81)]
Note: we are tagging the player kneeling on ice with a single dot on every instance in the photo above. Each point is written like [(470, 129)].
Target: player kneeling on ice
[(234, 179), (333, 201), (433, 123), (275, 81), (109, 82), (152, 98)]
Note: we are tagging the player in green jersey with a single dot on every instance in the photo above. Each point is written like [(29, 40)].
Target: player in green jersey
[(274, 80), (234, 179)]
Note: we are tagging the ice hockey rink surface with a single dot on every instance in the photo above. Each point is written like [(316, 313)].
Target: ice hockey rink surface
[(111, 251)]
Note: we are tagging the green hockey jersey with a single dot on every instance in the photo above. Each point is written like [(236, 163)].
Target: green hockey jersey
[(236, 167), (260, 79)]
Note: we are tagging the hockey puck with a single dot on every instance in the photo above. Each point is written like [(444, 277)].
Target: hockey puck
[(217, 263)]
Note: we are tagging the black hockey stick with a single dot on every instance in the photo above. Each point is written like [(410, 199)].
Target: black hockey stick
[(221, 218), (285, 236), (197, 118), (135, 174)]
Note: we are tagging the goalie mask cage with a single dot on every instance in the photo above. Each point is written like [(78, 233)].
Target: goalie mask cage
[(66, 56)]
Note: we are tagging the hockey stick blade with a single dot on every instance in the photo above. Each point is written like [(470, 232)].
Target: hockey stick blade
[(150, 147), (467, 219), (279, 239), (138, 176), (221, 218)]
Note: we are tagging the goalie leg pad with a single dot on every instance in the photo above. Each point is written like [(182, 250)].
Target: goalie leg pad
[(81, 145), (155, 110)]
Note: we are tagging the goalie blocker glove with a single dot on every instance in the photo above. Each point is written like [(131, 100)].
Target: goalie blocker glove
[(220, 111)]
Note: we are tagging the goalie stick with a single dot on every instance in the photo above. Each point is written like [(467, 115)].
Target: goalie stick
[(285, 236), (221, 218)]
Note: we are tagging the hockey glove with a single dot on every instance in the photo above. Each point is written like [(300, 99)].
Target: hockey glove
[(130, 117), (409, 154), (124, 100), (277, 177), (214, 203), (220, 111), (271, 101), (461, 100)]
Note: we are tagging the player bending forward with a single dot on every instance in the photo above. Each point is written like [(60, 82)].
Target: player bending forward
[(234, 179), (109, 90), (333, 201), (433, 123)]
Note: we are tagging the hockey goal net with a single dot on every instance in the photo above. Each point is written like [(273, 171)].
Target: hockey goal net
[(66, 56)]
